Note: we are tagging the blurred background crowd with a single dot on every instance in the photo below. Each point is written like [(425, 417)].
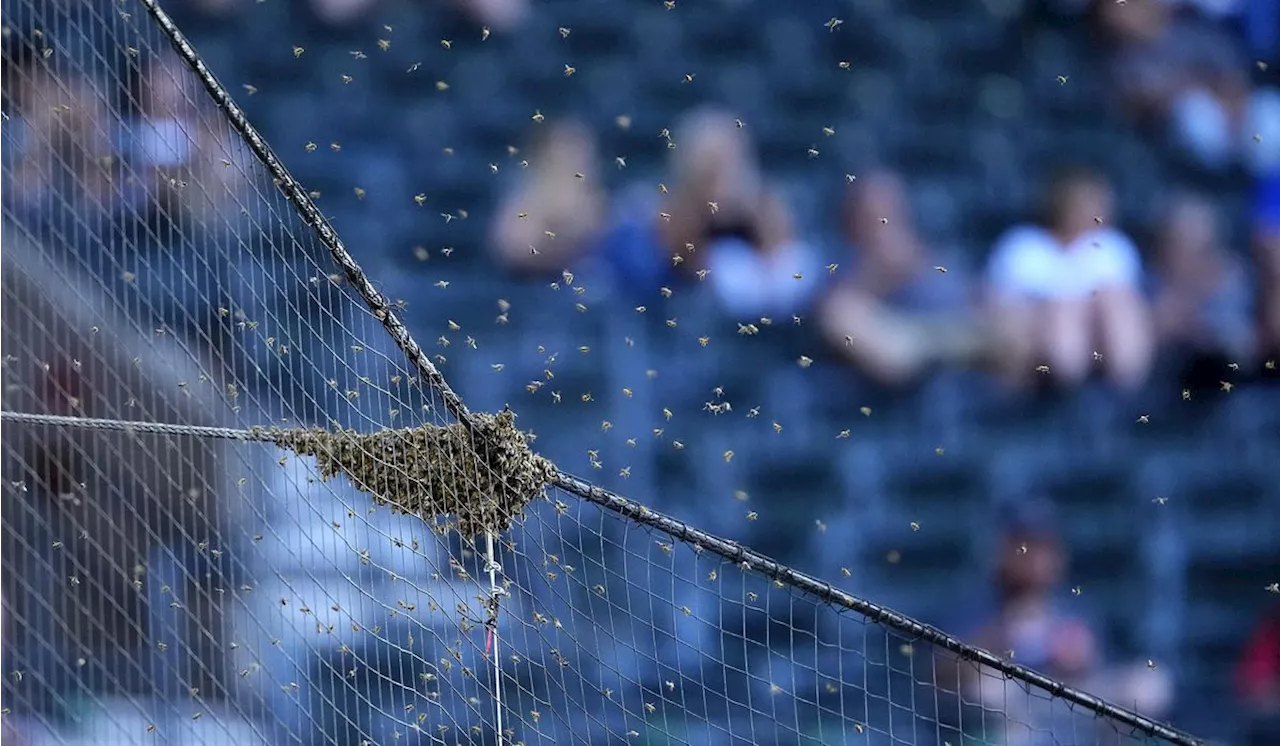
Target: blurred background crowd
[(1001, 278)]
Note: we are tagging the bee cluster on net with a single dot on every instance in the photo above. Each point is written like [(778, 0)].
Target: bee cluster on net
[(481, 477)]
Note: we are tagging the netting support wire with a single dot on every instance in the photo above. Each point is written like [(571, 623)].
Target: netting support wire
[(294, 191), (702, 541), (491, 624), (748, 559), (130, 426)]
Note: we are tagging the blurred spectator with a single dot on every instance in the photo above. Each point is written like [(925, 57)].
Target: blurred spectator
[(1259, 681), (723, 216), (191, 157), (1067, 292), (717, 219), (894, 312), (1266, 240), (1179, 67), (56, 149), (1029, 619), (554, 214), (1030, 622), (1202, 298)]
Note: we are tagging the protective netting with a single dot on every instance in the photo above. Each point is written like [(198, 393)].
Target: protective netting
[(173, 309)]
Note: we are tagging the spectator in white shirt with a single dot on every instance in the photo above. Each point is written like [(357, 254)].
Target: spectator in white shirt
[(1067, 294)]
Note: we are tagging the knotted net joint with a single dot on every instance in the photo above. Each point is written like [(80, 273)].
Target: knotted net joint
[(479, 478)]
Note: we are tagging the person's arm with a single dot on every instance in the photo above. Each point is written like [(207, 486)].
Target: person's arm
[(1122, 314), (887, 348), (774, 224), (681, 227), (1013, 278)]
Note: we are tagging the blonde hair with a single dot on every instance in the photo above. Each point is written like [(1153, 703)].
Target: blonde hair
[(703, 127)]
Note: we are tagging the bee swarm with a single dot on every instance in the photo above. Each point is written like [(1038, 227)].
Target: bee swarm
[(433, 471)]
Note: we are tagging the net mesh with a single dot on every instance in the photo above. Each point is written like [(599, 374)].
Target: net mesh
[(209, 586)]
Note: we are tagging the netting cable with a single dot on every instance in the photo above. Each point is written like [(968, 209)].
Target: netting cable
[(159, 428), (743, 557)]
